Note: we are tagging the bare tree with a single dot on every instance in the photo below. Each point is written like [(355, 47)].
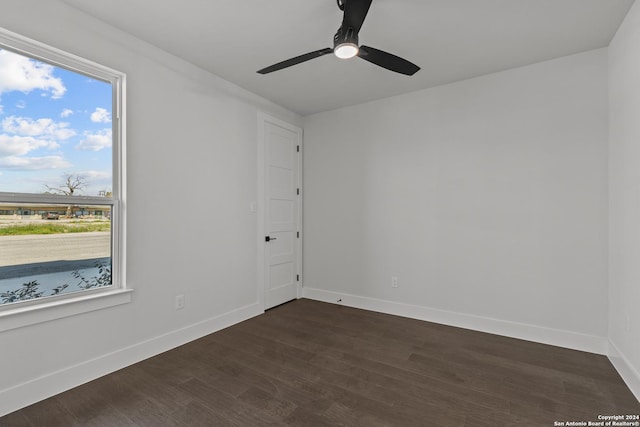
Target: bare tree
[(72, 184)]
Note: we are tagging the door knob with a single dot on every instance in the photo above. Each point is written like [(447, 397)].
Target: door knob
[(269, 238)]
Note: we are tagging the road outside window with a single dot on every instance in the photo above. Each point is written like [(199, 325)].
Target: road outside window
[(53, 253)]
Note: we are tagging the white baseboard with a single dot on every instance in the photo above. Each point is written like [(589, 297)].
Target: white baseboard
[(19, 396), (557, 337), (627, 371)]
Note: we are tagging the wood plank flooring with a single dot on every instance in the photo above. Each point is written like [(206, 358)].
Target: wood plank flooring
[(308, 363)]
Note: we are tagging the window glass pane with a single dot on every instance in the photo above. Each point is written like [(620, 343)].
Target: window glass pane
[(51, 249), (55, 129)]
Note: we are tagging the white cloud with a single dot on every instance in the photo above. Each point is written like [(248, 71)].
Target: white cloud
[(22, 104), (20, 73), (26, 126), (101, 116), (14, 145), (96, 175), (34, 163), (66, 113), (95, 141)]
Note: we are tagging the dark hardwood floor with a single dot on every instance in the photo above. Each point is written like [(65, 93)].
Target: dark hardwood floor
[(308, 363)]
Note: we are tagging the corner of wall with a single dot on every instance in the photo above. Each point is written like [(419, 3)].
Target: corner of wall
[(626, 370)]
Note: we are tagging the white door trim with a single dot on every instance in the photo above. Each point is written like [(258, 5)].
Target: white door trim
[(261, 262)]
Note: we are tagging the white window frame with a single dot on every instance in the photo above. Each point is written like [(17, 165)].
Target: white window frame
[(44, 309)]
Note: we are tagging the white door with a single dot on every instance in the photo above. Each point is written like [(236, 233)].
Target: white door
[(281, 212)]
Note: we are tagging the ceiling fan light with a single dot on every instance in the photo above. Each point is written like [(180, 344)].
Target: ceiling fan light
[(346, 50)]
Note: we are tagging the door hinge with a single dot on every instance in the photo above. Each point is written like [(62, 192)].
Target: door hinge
[(297, 277), (298, 234), (298, 191), (297, 148)]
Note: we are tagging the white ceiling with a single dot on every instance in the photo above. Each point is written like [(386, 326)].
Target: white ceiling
[(450, 39)]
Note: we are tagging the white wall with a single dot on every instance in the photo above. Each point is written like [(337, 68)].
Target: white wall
[(487, 199), (624, 202), (191, 176)]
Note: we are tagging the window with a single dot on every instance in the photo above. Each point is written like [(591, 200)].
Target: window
[(61, 177)]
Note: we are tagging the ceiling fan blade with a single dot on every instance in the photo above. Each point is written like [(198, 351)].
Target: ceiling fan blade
[(296, 60), (388, 61), (354, 13)]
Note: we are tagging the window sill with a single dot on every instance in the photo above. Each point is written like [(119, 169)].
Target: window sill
[(45, 312)]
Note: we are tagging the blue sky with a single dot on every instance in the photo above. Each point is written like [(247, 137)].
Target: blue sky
[(52, 122)]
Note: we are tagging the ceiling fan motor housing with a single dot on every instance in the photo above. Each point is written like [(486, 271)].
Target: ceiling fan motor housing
[(345, 36), (345, 43)]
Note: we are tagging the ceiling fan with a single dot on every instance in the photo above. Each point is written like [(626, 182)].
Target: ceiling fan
[(345, 44)]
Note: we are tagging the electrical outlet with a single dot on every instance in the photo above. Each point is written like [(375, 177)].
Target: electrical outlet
[(179, 302), (394, 282)]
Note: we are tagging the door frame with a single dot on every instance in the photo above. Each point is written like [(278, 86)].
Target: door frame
[(263, 119)]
